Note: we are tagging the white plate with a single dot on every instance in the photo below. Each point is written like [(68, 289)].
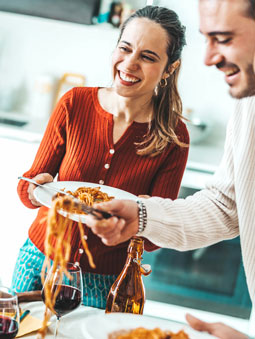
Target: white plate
[(44, 195), (101, 325)]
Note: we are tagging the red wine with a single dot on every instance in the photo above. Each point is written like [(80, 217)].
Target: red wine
[(8, 328), (68, 299)]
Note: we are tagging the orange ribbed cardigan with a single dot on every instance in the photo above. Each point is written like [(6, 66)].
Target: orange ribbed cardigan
[(77, 144)]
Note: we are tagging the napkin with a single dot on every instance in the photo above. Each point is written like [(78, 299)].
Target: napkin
[(29, 324)]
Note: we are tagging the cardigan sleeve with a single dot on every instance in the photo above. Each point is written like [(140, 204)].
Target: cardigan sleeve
[(52, 147), (168, 179), (199, 220)]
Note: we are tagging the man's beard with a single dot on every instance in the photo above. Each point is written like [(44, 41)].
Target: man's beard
[(249, 90)]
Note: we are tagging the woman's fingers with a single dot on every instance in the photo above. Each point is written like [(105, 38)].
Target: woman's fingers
[(41, 178)]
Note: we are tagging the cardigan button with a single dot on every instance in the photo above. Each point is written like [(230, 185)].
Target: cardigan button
[(112, 151), (101, 182), (81, 250), (106, 166)]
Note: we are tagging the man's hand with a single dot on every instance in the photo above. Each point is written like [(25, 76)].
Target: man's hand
[(219, 330), (116, 229), (41, 178)]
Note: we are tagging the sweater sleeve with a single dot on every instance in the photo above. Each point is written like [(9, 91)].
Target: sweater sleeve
[(168, 179), (52, 147), (199, 220)]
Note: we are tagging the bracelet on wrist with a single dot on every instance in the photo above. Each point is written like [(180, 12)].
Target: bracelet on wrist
[(142, 216)]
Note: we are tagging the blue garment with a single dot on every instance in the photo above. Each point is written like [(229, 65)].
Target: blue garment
[(27, 277)]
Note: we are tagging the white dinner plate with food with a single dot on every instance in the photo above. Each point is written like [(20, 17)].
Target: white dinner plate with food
[(44, 194), (102, 326)]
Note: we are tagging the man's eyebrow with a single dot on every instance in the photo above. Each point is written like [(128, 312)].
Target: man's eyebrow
[(218, 33), (146, 50)]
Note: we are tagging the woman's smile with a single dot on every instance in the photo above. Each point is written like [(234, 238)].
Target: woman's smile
[(128, 79)]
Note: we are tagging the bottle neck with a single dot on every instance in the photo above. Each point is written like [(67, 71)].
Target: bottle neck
[(135, 251), (132, 256), (135, 248)]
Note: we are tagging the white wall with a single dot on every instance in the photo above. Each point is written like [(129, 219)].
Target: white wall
[(31, 46)]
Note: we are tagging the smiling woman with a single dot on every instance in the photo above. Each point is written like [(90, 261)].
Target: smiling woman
[(135, 140), (152, 68)]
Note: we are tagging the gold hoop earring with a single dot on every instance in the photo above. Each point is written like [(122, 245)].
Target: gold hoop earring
[(164, 84)]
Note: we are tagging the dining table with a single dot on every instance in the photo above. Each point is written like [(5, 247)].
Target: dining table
[(92, 323)]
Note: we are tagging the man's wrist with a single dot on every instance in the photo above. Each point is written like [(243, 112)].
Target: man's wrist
[(142, 216)]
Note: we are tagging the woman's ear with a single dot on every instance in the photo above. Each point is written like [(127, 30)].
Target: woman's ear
[(171, 69), (173, 66)]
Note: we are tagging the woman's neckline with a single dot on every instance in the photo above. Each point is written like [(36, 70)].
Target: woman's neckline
[(106, 113)]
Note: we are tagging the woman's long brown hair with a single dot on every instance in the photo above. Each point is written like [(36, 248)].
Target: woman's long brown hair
[(166, 102)]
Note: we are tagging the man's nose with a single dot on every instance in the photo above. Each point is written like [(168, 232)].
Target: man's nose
[(212, 56)]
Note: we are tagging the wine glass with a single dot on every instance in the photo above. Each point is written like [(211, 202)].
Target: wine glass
[(69, 290), (9, 313)]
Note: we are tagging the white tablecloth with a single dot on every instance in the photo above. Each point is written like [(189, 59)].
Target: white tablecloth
[(92, 323)]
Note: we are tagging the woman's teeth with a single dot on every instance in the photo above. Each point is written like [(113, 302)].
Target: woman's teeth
[(124, 77)]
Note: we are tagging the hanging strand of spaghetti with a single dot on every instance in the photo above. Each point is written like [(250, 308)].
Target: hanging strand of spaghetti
[(58, 241), (58, 245)]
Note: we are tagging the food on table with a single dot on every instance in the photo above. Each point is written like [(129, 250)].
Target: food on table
[(143, 333)]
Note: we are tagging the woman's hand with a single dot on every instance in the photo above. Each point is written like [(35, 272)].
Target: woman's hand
[(115, 230), (41, 178), (219, 330)]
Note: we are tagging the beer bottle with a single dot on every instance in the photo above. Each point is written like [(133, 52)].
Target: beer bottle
[(127, 293)]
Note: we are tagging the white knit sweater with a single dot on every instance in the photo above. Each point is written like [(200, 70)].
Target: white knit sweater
[(225, 209)]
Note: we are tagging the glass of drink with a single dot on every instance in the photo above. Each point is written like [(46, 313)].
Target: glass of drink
[(67, 289), (9, 313)]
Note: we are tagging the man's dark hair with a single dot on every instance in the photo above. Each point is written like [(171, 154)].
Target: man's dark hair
[(251, 8)]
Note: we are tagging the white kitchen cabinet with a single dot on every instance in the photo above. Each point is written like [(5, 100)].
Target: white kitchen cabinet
[(16, 157)]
